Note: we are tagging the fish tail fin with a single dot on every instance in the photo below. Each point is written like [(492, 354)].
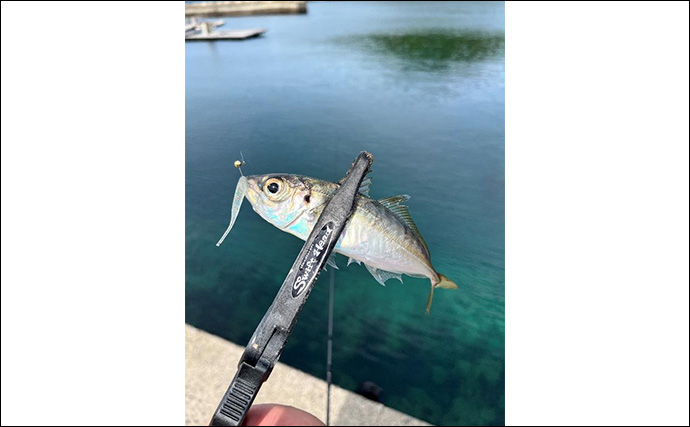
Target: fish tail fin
[(444, 283), (428, 300)]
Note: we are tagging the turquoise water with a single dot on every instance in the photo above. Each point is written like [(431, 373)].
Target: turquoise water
[(421, 87)]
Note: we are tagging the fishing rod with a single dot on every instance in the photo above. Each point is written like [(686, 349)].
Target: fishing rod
[(266, 345)]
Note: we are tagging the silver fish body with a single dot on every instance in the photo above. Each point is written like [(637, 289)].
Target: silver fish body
[(380, 234)]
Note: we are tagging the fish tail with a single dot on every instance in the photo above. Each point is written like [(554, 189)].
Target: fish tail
[(444, 283), (428, 300)]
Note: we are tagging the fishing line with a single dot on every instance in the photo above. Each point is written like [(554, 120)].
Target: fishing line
[(329, 353)]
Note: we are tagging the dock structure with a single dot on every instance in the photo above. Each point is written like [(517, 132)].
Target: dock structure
[(240, 8), (223, 35), (206, 30), (192, 24)]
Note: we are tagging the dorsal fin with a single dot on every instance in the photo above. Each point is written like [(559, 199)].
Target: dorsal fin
[(364, 186), (395, 205)]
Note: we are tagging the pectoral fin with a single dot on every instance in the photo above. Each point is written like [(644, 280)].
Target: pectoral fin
[(364, 186)]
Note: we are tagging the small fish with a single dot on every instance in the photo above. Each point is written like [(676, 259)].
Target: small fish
[(380, 233)]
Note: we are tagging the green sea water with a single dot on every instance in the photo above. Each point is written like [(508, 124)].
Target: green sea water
[(420, 85)]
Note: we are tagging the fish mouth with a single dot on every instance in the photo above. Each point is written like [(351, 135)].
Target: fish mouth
[(253, 190)]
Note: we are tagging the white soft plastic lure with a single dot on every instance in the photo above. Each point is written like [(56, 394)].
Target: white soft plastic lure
[(240, 192)]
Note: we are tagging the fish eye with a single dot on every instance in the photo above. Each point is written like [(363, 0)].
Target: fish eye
[(273, 185)]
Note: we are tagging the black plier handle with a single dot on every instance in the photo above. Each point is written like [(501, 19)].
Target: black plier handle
[(265, 346)]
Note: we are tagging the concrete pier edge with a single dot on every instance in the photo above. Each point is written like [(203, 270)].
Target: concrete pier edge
[(210, 365)]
